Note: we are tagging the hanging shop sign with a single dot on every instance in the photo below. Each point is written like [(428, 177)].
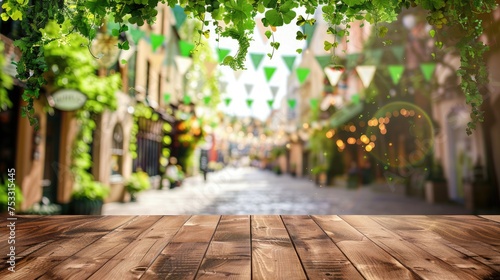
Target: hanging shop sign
[(68, 99)]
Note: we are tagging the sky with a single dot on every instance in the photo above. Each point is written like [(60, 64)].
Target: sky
[(261, 88)]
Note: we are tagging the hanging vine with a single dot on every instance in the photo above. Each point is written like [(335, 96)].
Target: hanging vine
[(238, 17), (72, 66)]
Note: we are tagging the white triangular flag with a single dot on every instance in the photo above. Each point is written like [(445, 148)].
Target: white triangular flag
[(156, 60), (183, 63), (274, 90), (366, 73), (126, 54), (333, 75), (248, 88), (237, 74), (223, 86), (210, 67)]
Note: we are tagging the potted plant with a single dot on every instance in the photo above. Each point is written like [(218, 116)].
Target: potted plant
[(293, 169), (319, 173), (88, 198), (138, 182), (277, 169), (436, 187)]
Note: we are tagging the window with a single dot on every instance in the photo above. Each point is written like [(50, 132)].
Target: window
[(117, 150)]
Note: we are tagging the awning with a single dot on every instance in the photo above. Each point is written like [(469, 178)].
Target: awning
[(345, 114)]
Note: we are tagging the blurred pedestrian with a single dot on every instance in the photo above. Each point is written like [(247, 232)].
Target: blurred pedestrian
[(204, 164)]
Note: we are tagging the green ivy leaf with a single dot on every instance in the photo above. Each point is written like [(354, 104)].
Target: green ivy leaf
[(300, 36), (270, 3), (274, 18), (289, 16)]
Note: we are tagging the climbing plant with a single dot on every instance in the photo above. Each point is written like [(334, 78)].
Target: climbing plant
[(72, 66), (144, 112), (238, 21), (6, 83)]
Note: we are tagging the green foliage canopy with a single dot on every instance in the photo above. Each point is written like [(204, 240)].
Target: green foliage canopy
[(238, 15)]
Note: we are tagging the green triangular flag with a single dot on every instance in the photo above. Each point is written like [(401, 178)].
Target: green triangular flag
[(270, 102), (309, 31), (289, 61), (398, 52), (428, 69), (355, 98), (396, 72), (227, 100), (249, 102), (351, 60), (323, 60), (136, 34), (373, 56), (314, 103), (186, 99), (256, 59), (186, 48), (292, 102), (269, 71), (222, 54), (156, 40), (166, 97), (180, 16), (207, 99), (302, 74)]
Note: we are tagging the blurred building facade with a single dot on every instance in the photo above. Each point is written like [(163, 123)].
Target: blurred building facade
[(420, 123), (42, 158)]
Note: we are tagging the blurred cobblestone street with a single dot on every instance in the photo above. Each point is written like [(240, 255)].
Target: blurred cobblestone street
[(254, 191)]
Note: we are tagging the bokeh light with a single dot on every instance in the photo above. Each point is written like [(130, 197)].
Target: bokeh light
[(400, 134)]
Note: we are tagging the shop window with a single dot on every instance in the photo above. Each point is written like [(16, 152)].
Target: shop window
[(117, 151)]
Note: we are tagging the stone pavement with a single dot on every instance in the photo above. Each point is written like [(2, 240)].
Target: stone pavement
[(245, 191)]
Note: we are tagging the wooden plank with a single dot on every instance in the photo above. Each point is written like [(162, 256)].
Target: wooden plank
[(229, 254), (65, 245), (182, 257), (414, 258), (473, 236), (87, 260), (134, 259), (370, 260), (273, 254), (319, 256), (495, 218), (37, 232), (434, 244)]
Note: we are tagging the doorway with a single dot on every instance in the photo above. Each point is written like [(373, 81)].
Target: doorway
[(52, 165)]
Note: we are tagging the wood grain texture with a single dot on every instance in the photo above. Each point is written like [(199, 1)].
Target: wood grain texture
[(65, 245), (435, 245), (85, 262), (371, 261), (255, 247), (495, 218), (138, 255), (414, 258), (273, 254), (37, 233), (229, 253), (182, 257), (320, 257), (473, 236)]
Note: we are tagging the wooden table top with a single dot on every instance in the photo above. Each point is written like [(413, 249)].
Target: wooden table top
[(253, 247)]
